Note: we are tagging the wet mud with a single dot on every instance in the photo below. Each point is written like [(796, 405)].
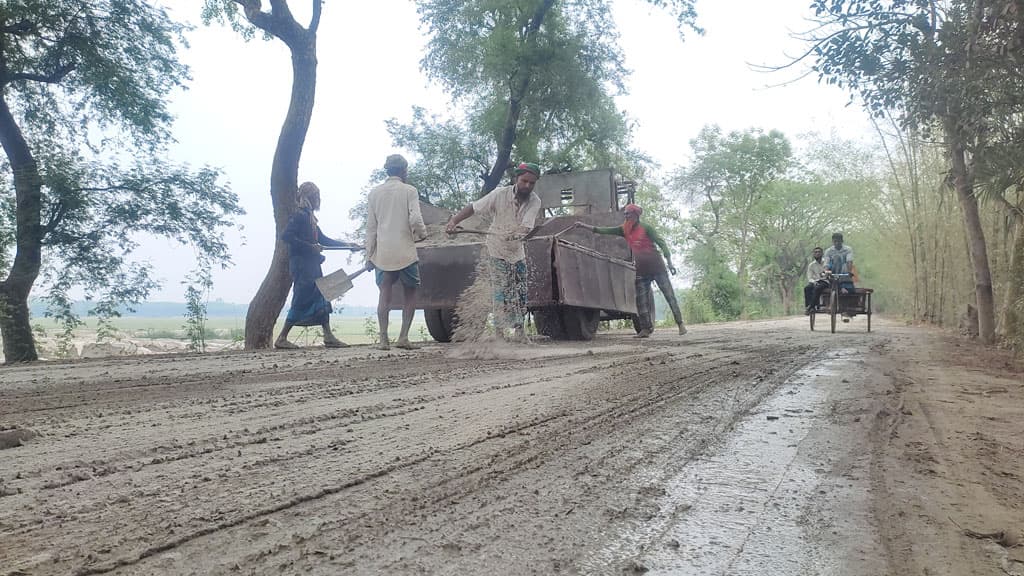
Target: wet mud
[(746, 448)]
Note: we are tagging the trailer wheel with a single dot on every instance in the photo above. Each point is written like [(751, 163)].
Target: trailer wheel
[(440, 323), (549, 323), (580, 323)]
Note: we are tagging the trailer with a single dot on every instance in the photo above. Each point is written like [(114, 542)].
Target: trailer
[(576, 278)]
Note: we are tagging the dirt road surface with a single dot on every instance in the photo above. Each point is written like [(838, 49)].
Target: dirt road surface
[(742, 448)]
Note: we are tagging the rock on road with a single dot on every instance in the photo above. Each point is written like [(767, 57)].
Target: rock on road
[(739, 448)]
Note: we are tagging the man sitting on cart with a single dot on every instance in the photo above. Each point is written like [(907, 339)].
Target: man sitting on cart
[(816, 281), (839, 260)]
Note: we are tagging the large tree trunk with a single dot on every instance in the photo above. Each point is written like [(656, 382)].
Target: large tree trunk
[(962, 183), (15, 326), (265, 307), (505, 141)]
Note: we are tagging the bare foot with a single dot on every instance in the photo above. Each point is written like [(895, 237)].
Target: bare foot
[(643, 334), (406, 345), (285, 345), (335, 343), (384, 345), (682, 329)]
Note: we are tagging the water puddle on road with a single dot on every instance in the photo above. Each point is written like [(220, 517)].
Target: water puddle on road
[(740, 509)]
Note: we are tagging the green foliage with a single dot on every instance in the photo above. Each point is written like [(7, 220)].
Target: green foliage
[(371, 330), (542, 73), (106, 330), (197, 291), (697, 309), (716, 288), (229, 13), (73, 67), (99, 210), (450, 158), (728, 176)]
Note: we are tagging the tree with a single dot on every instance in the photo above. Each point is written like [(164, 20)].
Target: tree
[(279, 23), (534, 74), (82, 82), (449, 158), (727, 180)]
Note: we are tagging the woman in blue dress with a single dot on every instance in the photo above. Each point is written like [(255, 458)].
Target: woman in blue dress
[(305, 242)]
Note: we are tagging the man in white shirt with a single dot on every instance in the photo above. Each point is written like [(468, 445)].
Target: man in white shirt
[(513, 213), (816, 281), (393, 224)]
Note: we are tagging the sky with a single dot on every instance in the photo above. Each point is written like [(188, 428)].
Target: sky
[(368, 72)]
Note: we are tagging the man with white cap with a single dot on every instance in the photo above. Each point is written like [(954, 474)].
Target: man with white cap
[(644, 241)]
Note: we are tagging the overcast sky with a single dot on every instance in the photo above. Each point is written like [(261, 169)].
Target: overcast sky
[(369, 55)]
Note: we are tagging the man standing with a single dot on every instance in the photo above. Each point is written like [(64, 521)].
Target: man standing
[(642, 239), (839, 260), (393, 224), (513, 213), (816, 281)]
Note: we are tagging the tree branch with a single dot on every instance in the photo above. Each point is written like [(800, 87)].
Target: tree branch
[(23, 27), (314, 22), (254, 14), (279, 22), (55, 218), (54, 77), (279, 8)]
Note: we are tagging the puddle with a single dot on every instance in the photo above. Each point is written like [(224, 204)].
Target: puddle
[(741, 509)]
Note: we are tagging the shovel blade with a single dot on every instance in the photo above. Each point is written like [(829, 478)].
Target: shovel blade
[(334, 285)]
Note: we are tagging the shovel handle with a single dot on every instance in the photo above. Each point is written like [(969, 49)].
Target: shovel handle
[(351, 247), (461, 230)]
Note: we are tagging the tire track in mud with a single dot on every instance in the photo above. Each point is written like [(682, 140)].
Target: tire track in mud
[(675, 450), (516, 459), (575, 402), (207, 451), (161, 454)]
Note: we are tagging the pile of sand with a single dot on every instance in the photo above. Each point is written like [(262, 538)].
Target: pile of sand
[(478, 333)]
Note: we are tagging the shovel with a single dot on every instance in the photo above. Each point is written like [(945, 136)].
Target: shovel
[(335, 284), (461, 230)]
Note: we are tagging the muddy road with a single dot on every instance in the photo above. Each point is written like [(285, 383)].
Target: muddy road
[(745, 448)]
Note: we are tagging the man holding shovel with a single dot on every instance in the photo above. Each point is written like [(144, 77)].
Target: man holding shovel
[(305, 243), (513, 213), (644, 241), (393, 225)]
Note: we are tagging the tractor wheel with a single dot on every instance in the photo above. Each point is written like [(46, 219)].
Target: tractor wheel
[(440, 323), (580, 323)]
